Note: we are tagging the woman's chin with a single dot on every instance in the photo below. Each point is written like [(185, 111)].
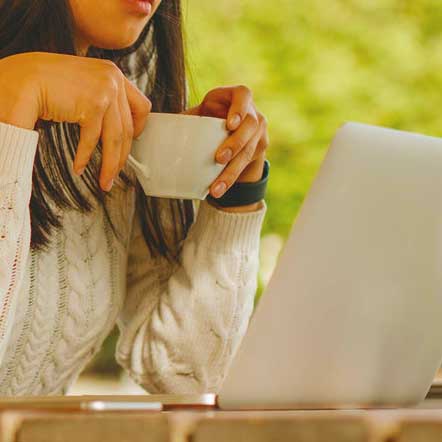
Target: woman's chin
[(118, 40), (117, 44)]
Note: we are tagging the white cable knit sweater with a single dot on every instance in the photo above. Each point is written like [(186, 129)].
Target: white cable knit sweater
[(180, 325)]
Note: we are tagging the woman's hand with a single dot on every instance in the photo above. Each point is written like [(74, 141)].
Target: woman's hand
[(91, 92), (244, 149)]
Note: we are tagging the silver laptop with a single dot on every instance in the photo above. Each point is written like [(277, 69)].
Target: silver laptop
[(352, 316)]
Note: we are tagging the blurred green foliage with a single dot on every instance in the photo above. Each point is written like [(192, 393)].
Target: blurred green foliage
[(312, 65)]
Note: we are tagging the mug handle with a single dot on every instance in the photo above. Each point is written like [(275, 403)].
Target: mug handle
[(141, 170)]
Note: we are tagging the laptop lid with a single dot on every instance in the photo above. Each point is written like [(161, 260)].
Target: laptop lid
[(352, 315)]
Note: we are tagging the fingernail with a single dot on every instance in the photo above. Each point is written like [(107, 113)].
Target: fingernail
[(225, 156), (219, 189), (234, 121), (80, 171), (109, 185)]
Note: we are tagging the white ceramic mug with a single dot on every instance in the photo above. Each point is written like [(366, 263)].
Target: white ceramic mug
[(174, 157)]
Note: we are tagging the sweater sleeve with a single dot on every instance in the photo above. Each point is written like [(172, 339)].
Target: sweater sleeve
[(182, 323), (17, 152)]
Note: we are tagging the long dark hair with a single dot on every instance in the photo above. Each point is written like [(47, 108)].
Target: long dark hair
[(47, 25)]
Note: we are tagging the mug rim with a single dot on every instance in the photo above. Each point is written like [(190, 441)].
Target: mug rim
[(168, 114)]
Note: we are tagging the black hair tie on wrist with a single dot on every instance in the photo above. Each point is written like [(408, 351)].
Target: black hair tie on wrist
[(242, 194)]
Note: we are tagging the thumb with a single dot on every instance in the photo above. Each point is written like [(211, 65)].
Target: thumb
[(140, 106)]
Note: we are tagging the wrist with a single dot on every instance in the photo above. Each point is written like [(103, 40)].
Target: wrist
[(247, 208), (18, 99), (17, 118), (244, 196)]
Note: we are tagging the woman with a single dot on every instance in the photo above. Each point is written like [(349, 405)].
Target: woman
[(81, 247)]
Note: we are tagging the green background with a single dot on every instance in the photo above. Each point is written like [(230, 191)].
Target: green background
[(312, 65)]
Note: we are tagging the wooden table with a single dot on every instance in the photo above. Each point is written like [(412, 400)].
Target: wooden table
[(398, 425)]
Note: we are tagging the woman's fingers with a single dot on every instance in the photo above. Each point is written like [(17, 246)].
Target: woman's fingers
[(112, 138), (241, 104), (124, 118), (248, 140), (128, 128), (90, 131), (231, 173), (254, 147), (89, 91), (140, 106), (231, 147), (213, 109)]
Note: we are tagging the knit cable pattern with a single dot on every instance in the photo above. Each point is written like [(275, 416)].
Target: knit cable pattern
[(180, 324)]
